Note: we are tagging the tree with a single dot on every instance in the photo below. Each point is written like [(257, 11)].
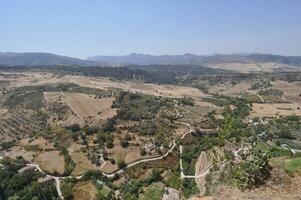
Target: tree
[(74, 127), (124, 143), (121, 164), (156, 175), (109, 144), (142, 152), (67, 190)]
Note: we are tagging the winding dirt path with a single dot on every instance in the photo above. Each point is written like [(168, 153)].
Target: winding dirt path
[(121, 171)]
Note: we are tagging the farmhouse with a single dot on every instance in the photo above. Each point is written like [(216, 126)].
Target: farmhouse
[(46, 180), (26, 170), (171, 194)]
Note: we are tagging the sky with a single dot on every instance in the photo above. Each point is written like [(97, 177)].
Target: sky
[(82, 28)]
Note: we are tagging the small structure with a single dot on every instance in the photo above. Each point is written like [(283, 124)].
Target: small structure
[(46, 180), (149, 147), (204, 132), (171, 194), (26, 170)]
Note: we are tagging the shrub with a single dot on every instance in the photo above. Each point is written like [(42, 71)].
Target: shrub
[(121, 164)]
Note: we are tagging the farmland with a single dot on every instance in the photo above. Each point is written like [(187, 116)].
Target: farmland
[(101, 137)]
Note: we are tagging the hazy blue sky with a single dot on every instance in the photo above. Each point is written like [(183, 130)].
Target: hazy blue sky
[(84, 28)]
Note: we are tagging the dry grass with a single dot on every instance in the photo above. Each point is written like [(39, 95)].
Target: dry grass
[(84, 191), (109, 168), (19, 151), (202, 164), (84, 105), (104, 83), (41, 142), (291, 90), (232, 90), (251, 67), (274, 109), (51, 161), (181, 130), (82, 163)]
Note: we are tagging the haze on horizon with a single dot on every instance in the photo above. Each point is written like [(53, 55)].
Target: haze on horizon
[(119, 27)]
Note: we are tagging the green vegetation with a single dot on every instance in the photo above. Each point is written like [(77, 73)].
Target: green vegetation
[(252, 98), (261, 84), (293, 166), (272, 92), (189, 188), (134, 106), (69, 163), (121, 164), (105, 194), (67, 189), (158, 129), (32, 97), (186, 101), (153, 193), (252, 172), (173, 180), (26, 187), (7, 145)]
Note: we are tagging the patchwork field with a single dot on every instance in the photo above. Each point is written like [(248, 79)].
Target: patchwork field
[(274, 109), (84, 105), (104, 83), (292, 90), (231, 90), (252, 67)]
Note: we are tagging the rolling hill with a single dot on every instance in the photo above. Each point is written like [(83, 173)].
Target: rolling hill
[(43, 59)]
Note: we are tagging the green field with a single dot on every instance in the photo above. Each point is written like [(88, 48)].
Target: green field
[(153, 193), (293, 165)]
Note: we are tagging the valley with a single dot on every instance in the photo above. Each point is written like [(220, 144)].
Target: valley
[(104, 138)]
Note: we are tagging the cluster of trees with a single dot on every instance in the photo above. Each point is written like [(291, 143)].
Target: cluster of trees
[(272, 92), (23, 187), (189, 188), (186, 101), (134, 106), (105, 138), (132, 189), (69, 163)]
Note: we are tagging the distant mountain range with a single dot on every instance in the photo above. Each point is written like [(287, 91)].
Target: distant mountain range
[(237, 62), (42, 59), (191, 59)]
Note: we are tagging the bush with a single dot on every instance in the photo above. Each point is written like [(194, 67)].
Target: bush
[(253, 172), (142, 152), (124, 143), (109, 144), (121, 164)]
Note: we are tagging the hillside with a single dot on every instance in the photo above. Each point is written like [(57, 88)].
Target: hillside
[(40, 59), (237, 62), (144, 59)]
